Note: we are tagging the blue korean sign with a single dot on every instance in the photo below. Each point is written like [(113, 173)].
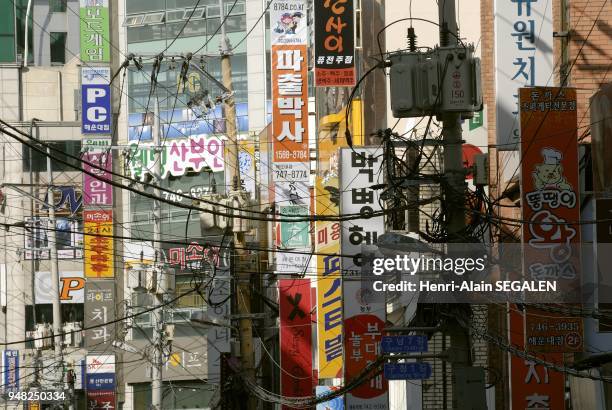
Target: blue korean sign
[(403, 344), (101, 381), (96, 100), (407, 371), (10, 368)]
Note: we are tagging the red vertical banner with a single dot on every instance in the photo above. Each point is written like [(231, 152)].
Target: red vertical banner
[(533, 386), (551, 206), (290, 103), (551, 242), (295, 305), (550, 185)]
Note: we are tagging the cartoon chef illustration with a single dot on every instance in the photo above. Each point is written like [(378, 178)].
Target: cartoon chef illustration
[(549, 174)]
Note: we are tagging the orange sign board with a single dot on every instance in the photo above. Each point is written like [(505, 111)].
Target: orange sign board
[(548, 332), (551, 205), (533, 385), (290, 103), (98, 253)]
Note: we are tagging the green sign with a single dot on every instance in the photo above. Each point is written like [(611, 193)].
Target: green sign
[(95, 36), (294, 234), (476, 121)]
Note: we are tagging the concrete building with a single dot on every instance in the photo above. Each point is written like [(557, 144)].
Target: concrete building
[(40, 98)]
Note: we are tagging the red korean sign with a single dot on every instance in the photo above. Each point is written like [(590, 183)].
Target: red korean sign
[(290, 103), (100, 400), (334, 43), (551, 207), (363, 334), (295, 304), (533, 386)]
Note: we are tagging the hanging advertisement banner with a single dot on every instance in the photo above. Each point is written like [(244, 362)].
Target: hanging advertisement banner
[(10, 370), (71, 287), (327, 247), (96, 100), (364, 310), (97, 190), (94, 29), (523, 58), (290, 103), (334, 58), (551, 204), (178, 156), (327, 239), (98, 253), (99, 310), (360, 169), (295, 338), (532, 385)]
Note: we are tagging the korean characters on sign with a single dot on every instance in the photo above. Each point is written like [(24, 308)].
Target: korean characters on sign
[(94, 31), (533, 386), (550, 186), (98, 254), (523, 58), (97, 190), (360, 170), (290, 103), (99, 310), (334, 43)]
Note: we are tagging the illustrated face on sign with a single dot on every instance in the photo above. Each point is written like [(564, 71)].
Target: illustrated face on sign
[(549, 174), (284, 24)]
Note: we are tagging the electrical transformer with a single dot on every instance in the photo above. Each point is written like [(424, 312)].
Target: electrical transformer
[(445, 79)]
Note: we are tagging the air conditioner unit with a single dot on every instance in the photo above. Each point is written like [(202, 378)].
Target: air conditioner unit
[(42, 336), (73, 334)]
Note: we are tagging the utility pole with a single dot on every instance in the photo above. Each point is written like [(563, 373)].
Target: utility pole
[(454, 192), (157, 314), (241, 273), (55, 291)]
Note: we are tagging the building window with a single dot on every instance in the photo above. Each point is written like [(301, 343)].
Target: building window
[(58, 47), (57, 6), (64, 151)]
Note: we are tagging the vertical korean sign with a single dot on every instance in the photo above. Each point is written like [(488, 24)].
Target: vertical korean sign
[(95, 38), (550, 187), (98, 253), (533, 386), (95, 100), (523, 58), (290, 156), (327, 246), (97, 189), (295, 338), (10, 369), (334, 43), (364, 310), (99, 310)]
